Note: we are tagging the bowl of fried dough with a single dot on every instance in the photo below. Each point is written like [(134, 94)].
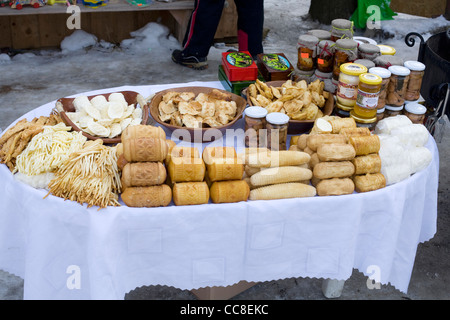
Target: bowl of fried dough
[(196, 114), (302, 102)]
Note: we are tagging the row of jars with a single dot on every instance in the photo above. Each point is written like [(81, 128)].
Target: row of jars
[(375, 87), (265, 130)]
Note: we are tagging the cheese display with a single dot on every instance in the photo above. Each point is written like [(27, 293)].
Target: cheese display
[(402, 148), (190, 193), (144, 174)]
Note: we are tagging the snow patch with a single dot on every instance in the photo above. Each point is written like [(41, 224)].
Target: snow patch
[(78, 40)]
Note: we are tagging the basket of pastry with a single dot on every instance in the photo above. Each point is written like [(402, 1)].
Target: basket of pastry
[(103, 116), (302, 102), (197, 110)]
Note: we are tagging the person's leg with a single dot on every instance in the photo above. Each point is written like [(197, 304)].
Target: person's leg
[(200, 33), (250, 25)]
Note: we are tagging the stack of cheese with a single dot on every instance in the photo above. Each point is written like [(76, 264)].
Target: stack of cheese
[(402, 149), (344, 157), (144, 148), (331, 163), (224, 174), (367, 162), (187, 176), (278, 174)]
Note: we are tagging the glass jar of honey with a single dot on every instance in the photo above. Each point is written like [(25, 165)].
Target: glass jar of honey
[(367, 98), (346, 50), (276, 128), (369, 123)]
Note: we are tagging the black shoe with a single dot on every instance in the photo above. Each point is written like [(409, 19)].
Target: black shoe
[(189, 61)]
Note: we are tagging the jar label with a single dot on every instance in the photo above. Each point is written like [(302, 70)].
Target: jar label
[(320, 61), (367, 100), (347, 91)]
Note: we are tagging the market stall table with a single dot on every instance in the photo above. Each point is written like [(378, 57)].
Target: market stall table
[(64, 250)]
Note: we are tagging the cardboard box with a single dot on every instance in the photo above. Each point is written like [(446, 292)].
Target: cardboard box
[(222, 293), (239, 66), (274, 66)]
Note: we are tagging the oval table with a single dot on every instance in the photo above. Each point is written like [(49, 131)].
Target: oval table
[(64, 250)]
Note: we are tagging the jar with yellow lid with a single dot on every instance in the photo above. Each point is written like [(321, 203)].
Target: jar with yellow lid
[(367, 98), (348, 83), (364, 122), (386, 50)]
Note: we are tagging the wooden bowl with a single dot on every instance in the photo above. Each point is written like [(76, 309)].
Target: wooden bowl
[(131, 97), (205, 134), (299, 126)]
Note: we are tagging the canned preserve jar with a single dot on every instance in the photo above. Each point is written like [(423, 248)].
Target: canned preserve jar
[(307, 49), (392, 111), (347, 89), (367, 98), (341, 29), (415, 79), (277, 124), (346, 50), (255, 122), (385, 74), (415, 112), (380, 114), (363, 122), (320, 34), (368, 51), (398, 84), (325, 56)]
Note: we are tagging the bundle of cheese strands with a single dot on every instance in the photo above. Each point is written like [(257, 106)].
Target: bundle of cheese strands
[(47, 150), (89, 176)]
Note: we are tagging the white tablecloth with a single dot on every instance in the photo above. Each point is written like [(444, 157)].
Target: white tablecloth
[(64, 250)]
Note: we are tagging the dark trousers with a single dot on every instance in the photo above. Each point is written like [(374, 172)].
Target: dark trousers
[(206, 16)]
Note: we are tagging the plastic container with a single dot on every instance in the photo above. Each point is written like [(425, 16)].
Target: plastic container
[(341, 29), (346, 50), (415, 112), (347, 89), (368, 51), (363, 122), (392, 111), (415, 79), (386, 50), (325, 56), (385, 75), (367, 98), (397, 86), (255, 122), (277, 124), (307, 49)]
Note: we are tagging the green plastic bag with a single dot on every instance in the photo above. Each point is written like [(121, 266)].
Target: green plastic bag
[(365, 10)]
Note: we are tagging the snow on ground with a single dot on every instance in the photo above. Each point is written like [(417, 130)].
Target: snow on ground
[(85, 63)]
